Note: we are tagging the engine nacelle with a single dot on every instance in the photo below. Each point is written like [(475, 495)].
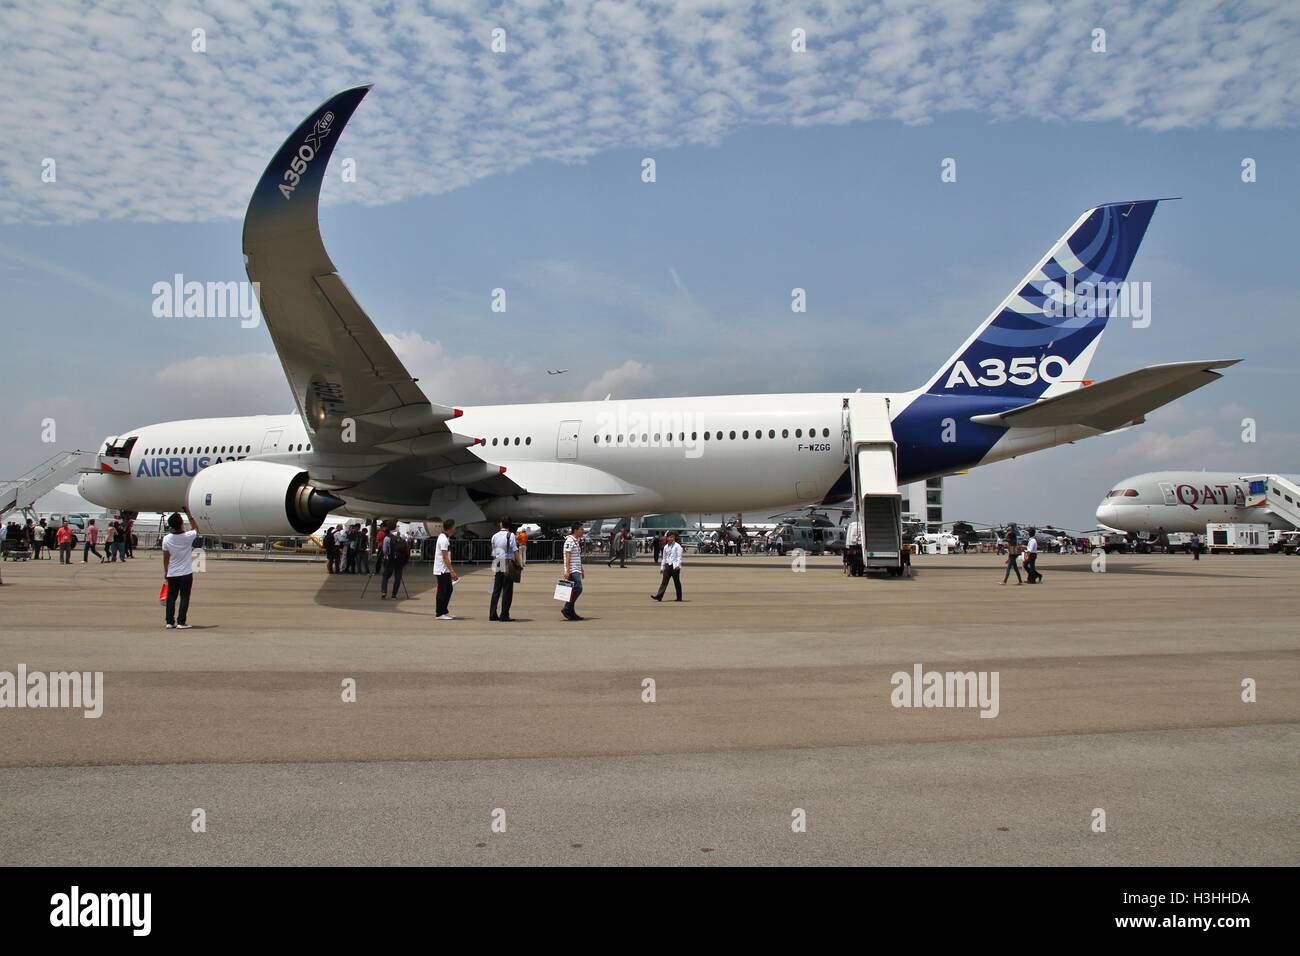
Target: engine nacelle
[(256, 498)]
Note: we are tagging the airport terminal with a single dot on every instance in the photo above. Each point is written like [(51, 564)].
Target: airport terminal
[(332, 592)]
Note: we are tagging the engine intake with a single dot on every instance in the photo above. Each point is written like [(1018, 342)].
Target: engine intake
[(257, 498)]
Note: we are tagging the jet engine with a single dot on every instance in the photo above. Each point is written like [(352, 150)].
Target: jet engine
[(256, 498)]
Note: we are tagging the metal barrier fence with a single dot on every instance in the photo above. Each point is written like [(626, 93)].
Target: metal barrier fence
[(467, 551)]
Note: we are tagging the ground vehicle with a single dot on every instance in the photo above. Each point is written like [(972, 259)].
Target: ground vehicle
[(1284, 542), (815, 534), (1109, 541), (936, 542), (1233, 538)]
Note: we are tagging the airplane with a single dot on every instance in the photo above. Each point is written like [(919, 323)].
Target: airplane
[(557, 371), (366, 440), (1185, 501)]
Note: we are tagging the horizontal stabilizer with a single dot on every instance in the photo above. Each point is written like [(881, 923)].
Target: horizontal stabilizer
[(1116, 401)]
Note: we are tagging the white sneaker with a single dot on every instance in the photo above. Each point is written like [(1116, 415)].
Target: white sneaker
[(183, 627), (445, 617), (169, 627)]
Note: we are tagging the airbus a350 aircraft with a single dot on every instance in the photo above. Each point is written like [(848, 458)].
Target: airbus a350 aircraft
[(366, 439), (1188, 500)]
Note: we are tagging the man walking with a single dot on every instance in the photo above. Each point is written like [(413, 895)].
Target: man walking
[(444, 571), (1194, 545), (618, 547), (92, 539), (1031, 559), (671, 567), (396, 553), (505, 562), (573, 572)]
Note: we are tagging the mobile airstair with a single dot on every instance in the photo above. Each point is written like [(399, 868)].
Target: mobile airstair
[(1277, 493), (21, 494), (872, 457)]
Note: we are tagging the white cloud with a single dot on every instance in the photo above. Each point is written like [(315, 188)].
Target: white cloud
[(626, 381), (143, 128), (256, 376), (465, 379)]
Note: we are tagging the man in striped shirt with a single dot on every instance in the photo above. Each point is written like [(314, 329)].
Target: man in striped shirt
[(573, 571)]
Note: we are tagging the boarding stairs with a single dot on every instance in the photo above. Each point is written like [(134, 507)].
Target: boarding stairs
[(22, 493), (872, 457), (1279, 494)]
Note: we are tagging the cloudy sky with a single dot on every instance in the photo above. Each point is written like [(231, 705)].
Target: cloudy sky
[(521, 169)]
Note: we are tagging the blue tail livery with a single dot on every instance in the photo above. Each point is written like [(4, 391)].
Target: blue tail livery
[(1046, 330)]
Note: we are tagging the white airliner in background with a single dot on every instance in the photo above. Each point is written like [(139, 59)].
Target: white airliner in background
[(1188, 500), (364, 438)]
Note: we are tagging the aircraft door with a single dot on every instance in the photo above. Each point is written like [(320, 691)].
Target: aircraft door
[(271, 443), (1167, 489), (566, 443)]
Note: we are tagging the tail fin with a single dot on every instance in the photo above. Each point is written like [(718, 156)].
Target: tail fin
[(1045, 332)]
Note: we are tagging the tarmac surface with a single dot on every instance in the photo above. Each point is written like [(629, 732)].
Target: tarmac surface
[(1119, 691)]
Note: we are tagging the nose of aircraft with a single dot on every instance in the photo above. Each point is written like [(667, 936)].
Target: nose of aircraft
[(89, 487), (1106, 514)]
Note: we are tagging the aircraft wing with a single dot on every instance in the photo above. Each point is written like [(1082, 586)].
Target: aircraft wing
[(351, 389), (1114, 402)]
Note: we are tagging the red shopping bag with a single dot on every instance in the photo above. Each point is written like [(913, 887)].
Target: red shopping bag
[(162, 594)]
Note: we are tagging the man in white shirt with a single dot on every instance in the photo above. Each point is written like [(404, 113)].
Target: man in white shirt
[(505, 550), (1031, 559), (444, 571), (670, 567), (178, 570), (573, 572)]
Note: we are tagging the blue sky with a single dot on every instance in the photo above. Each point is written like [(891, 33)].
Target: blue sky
[(522, 171)]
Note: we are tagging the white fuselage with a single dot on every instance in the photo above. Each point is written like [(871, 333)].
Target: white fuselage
[(684, 472), (699, 454), (1181, 501)]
